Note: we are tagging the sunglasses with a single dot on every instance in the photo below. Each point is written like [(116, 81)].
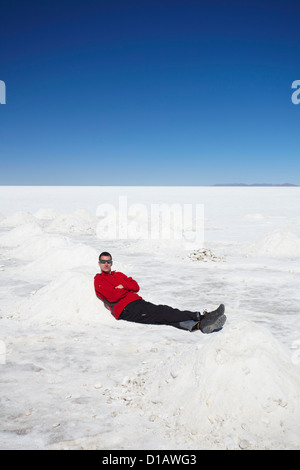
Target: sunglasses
[(102, 261)]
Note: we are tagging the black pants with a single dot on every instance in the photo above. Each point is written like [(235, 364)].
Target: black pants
[(141, 311)]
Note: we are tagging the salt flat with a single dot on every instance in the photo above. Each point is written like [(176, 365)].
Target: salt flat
[(74, 377)]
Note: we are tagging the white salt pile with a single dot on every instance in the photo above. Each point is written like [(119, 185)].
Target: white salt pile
[(18, 218), (20, 235), (80, 221), (278, 243), (238, 390), (60, 259), (37, 245), (67, 300), (45, 214)]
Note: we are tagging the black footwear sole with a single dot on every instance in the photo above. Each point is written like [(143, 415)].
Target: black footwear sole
[(214, 326)]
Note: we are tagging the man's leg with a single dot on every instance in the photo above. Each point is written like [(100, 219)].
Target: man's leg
[(141, 311)]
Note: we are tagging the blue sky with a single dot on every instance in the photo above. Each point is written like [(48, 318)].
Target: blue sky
[(179, 92)]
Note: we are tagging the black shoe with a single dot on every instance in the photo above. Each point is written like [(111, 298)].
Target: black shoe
[(220, 311), (213, 321)]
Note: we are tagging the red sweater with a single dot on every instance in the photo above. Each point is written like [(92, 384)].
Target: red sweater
[(116, 299)]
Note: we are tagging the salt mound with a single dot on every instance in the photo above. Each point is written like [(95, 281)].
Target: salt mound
[(45, 214), (38, 246), (69, 299), (239, 390), (20, 235), (57, 260), (18, 218), (277, 244), (80, 221)]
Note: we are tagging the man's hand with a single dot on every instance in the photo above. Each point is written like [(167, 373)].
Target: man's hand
[(119, 287)]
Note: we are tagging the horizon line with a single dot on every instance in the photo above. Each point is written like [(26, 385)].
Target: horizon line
[(283, 185)]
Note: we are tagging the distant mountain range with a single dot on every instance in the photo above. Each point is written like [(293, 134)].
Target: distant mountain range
[(259, 184)]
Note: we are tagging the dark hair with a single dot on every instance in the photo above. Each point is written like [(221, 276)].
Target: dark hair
[(105, 253)]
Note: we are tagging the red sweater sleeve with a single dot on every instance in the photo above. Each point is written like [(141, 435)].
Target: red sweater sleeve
[(129, 284)]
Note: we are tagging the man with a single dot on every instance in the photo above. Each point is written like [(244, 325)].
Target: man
[(119, 294)]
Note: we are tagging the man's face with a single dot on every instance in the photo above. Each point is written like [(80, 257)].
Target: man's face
[(105, 264)]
